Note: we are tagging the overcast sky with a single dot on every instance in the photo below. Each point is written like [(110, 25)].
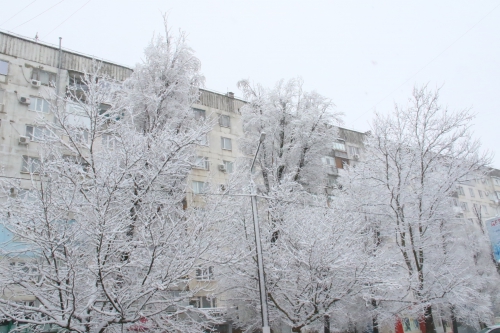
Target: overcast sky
[(364, 55)]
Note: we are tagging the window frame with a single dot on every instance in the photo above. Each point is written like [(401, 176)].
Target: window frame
[(35, 100), (4, 67), (471, 192), (227, 123), (205, 273), (460, 190), (28, 162), (229, 166), (339, 146), (36, 74), (353, 150), (196, 189), (327, 159), (223, 140), (199, 114), (203, 140), (201, 163), (45, 133), (464, 206)]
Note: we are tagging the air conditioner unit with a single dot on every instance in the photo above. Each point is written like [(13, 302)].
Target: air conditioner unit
[(36, 83), (24, 100), (24, 140), (356, 157), (13, 192), (222, 167), (2, 108)]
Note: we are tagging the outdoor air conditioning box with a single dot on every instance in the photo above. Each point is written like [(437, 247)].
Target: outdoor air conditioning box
[(356, 157), (24, 140), (222, 167), (2, 108), (24, 100), (36, 83)]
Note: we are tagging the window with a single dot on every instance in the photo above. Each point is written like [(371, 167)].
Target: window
[(205, 273), (224, 121), (199, 187), (485, 209), (203, 140), (30, 164), (225, 143), (339, 146), (26, 195), (498, 194), (480, 193), (455, 202), (460, 190), (203, 302), (80, 163), (108, 141), (496, 181), (471, 192), (476, 208), (38, 104), (79, 135), (229, 166), (201, 162), (46, 78), (37, 133), (2, 92), (332, 181), (340, 162), (327, 160), (464, 206), (4, 67), (199, 114), (354, 151), (471, 221)]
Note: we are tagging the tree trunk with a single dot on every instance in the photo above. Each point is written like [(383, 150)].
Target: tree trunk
[(454, 324), (374, 317), (429, 321), (327, 324)]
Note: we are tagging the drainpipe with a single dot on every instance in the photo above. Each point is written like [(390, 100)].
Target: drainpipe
[(59, 62)]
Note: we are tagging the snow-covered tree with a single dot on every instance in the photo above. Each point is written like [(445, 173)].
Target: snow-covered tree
[(101, 239), (415, 157), (314, 258), (316, 267), (299, 127)]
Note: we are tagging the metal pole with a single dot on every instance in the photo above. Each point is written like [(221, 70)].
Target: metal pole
[(258, 246), (59, 65), (262, 283)]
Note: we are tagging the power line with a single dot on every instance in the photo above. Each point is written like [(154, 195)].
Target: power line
[(10, 18), (67, 18), (31, 19), (427, 64)]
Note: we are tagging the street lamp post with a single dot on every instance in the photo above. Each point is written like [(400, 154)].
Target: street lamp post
[(258, 246)]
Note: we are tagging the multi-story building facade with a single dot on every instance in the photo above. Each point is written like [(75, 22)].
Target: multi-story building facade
[(478, 199), (31, 71)]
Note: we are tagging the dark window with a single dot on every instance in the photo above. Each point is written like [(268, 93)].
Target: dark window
[(46, 78), (4, 67), (199, 114)]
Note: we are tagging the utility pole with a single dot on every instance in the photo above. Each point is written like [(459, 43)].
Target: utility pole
[(258, 246)]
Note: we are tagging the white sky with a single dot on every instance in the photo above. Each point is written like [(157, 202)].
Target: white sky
[(365, 55)]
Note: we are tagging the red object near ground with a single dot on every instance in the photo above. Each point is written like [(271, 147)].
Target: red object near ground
[(399, 326)]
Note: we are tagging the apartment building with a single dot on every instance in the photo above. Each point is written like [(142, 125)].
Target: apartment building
[(31, 71), (478, 199)]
